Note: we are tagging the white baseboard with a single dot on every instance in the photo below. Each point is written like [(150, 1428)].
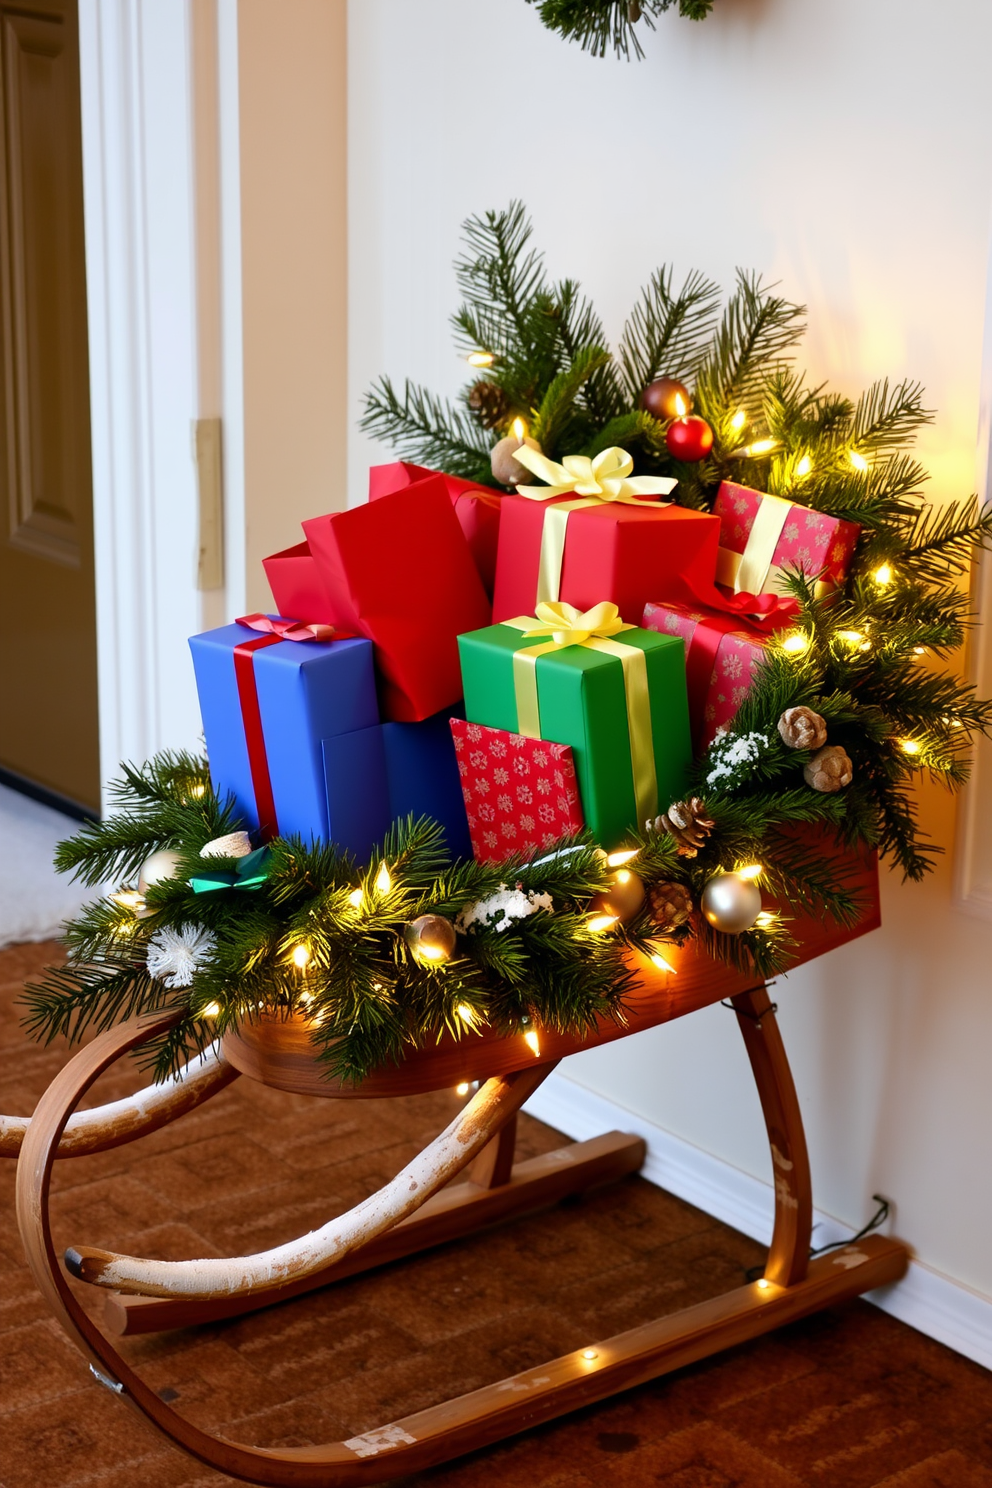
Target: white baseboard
[(925, 1299)]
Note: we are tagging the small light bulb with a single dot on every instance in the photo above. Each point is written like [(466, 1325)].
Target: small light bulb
[(301, 955), (796, 643), (462, 1088), (883, 574), (764, 1285), (910, 746), (306, 998), (211, 1010), (680, 408), (765, 920), (804, 466), (739, 420), (603, 922), (590, 1354), (519, 429), (852, 637), (761, 447), (466, 1014), (532, 1041), (858, 461), (661, 963), (355, 898), (129, 899), (383, 882), (623, 856), (753, 870), (480, 359), (919, 650)]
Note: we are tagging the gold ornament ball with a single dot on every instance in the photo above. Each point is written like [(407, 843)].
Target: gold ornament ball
[(431, 938), (624, 898), (731, 903), (507, 470), (157, 867)]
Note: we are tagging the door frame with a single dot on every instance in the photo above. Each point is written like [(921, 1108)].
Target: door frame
[(142, 142)]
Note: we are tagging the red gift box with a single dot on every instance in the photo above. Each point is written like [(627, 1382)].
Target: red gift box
[(520, 794), (297, 586), (398, 571), (723, 653), (476, 507), (762, 535), (614, 551)]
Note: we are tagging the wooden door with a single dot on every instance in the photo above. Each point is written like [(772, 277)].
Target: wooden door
[(48, 696)]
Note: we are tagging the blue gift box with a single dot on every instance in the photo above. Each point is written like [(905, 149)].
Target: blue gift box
[(422, 770), (311, 697)]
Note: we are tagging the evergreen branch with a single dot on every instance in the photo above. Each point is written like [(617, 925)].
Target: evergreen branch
[(425, 428), (602, 25), (668, 333), (887, 419), (557, 411), (751, 345)]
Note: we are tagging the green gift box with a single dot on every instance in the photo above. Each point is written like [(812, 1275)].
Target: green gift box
[(618, 699)]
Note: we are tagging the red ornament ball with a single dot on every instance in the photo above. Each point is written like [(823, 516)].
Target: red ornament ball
[(659, 399), (689, 439)]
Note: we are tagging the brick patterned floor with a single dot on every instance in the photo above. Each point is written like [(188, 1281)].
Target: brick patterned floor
[(847, 1399)]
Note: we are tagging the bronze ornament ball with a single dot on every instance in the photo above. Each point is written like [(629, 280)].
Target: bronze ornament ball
[(731, 903), (624, 897), (689, 439), (659, 399), (431, 938), (157, 867)]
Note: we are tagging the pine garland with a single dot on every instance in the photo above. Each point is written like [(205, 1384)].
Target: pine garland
[(599, 25)]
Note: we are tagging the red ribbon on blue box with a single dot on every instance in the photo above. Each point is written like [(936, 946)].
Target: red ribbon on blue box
[(274, 630)]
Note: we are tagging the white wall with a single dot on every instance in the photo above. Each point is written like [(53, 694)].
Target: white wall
[(845, 150)]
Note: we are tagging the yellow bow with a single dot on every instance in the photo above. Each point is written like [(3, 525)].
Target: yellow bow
[(568, 626), (607, 476)]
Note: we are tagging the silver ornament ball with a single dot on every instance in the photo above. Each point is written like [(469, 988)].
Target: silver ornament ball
[(731, 903), (156, 867)]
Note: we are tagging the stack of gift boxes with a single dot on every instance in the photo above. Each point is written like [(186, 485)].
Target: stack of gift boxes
[(515, 668)]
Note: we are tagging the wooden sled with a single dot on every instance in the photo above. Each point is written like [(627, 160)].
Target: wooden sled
[(421, 1208)]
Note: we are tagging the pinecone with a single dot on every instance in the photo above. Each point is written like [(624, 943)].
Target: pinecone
[(830, 769), (669, 905), (801, 728), (687, 823), (489, 403)]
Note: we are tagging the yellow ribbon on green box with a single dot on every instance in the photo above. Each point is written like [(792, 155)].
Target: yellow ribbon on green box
[(604, 478), (595, 629)]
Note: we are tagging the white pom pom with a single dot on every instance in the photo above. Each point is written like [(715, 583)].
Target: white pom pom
[(174, 955)]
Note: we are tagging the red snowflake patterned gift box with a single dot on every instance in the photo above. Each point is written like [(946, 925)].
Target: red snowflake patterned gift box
[(762, 535), (722, 656), (520, 794)]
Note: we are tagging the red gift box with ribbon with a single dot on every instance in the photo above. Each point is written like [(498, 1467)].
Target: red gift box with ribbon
[(521, 794), (399, 572), (476, 507), (624, 544), (761, 536), (723, 651)]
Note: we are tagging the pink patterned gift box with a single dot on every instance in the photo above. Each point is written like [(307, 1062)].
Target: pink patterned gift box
[(721, 661), (520, 794), (761, 535)]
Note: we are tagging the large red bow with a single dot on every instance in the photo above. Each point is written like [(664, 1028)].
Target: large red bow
[(294, 630)]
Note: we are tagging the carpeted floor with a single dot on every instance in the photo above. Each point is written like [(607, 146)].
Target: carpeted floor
[(848, 1399)]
